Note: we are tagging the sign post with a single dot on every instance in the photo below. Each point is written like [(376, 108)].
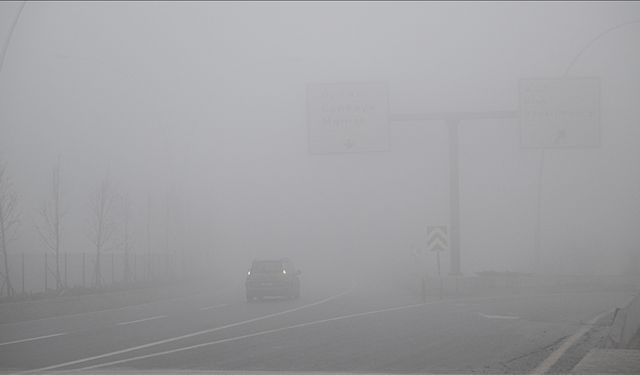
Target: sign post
[(454, 196)]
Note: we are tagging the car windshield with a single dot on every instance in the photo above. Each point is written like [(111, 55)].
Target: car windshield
[(319, 187), (267, 267)]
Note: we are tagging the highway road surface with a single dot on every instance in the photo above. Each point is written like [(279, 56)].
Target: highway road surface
[(346, 327)]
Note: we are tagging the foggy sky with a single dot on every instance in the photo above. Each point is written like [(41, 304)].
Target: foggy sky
[(206, 102)]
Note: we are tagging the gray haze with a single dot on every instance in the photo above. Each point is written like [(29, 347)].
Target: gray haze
[(456, 186), (205, 103)]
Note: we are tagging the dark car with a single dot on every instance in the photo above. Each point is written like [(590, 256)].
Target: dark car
[(272, 278)]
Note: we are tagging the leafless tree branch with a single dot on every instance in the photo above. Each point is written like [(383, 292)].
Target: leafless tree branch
[(51, 215), (102, 223), (9, 221)]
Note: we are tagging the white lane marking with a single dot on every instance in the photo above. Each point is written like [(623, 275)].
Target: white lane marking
[(198, 333), (214, 307), (308, 324), (498, 316), (32, 339), (142, 320), (102, 311), (553, 358), (316, 322), (466, 300)]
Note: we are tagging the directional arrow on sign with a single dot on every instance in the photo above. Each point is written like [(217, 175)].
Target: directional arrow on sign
[(437, 239), (349, 143), (560, 137), (439, 246)]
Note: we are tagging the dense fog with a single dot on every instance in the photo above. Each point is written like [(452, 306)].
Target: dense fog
[(198, 113)]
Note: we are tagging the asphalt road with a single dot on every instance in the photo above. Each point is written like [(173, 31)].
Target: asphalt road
[(341, 327)]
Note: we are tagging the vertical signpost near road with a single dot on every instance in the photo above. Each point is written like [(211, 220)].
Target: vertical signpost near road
[(437, 241)]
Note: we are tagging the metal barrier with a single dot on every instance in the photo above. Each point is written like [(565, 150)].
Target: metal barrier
[(626, 323)]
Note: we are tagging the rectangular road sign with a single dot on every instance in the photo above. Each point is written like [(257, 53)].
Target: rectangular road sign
[(437, 238), (347, 117), (560, 112)]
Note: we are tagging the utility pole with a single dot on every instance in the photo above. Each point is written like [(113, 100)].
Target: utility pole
[(454, 200)]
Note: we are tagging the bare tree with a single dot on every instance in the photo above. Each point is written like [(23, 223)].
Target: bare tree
[(9, 221), (103, 225), (51, 216)]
